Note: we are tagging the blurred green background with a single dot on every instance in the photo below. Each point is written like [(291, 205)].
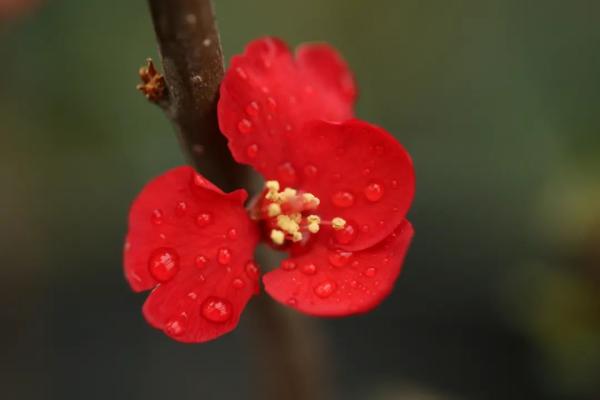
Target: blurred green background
[(498, 103)]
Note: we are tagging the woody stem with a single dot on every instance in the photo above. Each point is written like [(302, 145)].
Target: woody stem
[(192, 59)]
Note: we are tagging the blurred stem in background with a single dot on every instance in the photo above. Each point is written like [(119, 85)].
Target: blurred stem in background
[(290, 355)]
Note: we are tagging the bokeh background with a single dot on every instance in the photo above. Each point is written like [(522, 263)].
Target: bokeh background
[(498, 103)]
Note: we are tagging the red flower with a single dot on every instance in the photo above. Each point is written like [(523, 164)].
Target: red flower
[(336, 196)]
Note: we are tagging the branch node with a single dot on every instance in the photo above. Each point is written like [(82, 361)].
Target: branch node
[(153, 83)]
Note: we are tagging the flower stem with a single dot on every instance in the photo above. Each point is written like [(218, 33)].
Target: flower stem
[(287, 348)]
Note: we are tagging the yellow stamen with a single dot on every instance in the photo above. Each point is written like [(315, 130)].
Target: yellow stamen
[(313, 227), (288, 194), (273, 210), (311, 200), (338, 223), (277, 236), (297, 236), (287, 224)]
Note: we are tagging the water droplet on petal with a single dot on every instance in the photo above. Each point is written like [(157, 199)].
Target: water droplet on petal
[(325, 289), (224, 256), (395, 184), (346, 235), (216, 309), (157, 216), (238, 283), (192, 295), (232, 234), (245, 126), (370, 272), (378, 150), (288, 265), (203, 219), (181, 208), (200, 261), (373, 192), (163, 264), (354, 284), (251, 270), (366, 172), (339, 258), (365, 228), (342, 199), (292, 301), (252, 151), (310, 171), (252, 109), (176, 326), (309, 269), (271, 103), (241, 73), (286, 173)]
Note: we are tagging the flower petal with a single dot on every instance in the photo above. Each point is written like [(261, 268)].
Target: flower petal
[(323, 282), (187, 235), (267, 95), (360, 173)]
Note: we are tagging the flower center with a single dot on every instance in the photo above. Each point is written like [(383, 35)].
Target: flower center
[(291, 215)]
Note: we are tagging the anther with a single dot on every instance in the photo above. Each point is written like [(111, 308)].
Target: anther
[(273, 209), (277, 236), (338, 223)]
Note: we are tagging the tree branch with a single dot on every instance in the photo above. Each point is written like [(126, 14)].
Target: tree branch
[(192, 60), (288, 351)]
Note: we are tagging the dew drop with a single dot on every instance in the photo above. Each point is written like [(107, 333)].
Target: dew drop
[(238, 283), (216, 309), (378, 150), (286, 173), (224, 256), (354, 284), (176, 326), (395, 184), (251, 270), (181, 208), (373, 192), (310, 171), (203, 219), (241, 73), (339, 258), (199, 181), (157, 216), (163, 264), (365, 228), (309, 269), (370, 272), (342, 199), (252, 151), (245, 126), (292, 301), (232, 234), (252, 109), (271, 103), (325, 289), (288, 265), (192, 295), (200, 261), (366, 172), (346, 235)]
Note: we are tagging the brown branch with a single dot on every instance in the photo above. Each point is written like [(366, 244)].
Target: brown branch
[(192, 60), (287, 349)]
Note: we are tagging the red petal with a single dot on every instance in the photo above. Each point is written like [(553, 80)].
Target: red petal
[(323, 282), (267, 95), (187, 235), (360, 173)]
